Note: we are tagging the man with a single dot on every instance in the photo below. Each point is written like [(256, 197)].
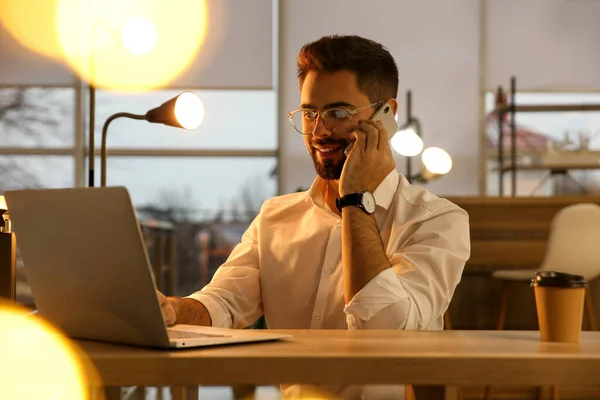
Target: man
[(303, 262)]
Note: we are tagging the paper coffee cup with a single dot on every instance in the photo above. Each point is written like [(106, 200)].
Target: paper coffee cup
[(559, 300)]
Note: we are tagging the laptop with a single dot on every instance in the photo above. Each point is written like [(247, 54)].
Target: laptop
[(89, 272)]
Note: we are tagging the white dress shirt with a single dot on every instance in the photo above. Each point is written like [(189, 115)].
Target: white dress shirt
[(288, 264)]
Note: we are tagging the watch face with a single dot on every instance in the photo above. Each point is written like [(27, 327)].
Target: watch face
[(368, 202)]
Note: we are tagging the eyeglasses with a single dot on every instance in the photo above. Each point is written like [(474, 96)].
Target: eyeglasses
[(336, 120)]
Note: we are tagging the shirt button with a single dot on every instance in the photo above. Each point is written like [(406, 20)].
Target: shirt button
[(327, 271), (317, 316)]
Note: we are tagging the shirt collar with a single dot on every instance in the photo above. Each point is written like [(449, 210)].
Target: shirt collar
[(384, 194)]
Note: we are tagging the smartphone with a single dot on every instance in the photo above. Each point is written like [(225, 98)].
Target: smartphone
[(386, 116)]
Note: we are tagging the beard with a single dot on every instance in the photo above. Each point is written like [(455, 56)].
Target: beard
[(328, 169)]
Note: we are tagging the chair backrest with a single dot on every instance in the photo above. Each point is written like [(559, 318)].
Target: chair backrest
[(574, 242)]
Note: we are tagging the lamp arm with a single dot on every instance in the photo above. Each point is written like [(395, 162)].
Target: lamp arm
[(104, 132), (415, 178)]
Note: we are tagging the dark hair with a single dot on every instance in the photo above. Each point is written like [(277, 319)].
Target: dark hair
[(375, 68)]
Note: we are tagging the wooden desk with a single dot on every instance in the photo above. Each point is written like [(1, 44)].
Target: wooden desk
[(360, 357)]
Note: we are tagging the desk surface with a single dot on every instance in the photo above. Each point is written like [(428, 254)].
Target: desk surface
[(360, 357)]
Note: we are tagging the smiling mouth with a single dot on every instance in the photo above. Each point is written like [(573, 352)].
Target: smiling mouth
[(329, 150)]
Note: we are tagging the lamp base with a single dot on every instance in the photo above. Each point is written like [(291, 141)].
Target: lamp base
[(8, 265)]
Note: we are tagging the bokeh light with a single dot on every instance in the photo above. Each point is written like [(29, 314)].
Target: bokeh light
[(407, 142), (139, 35), (38, 362), (437, 160), (98, 36), (33, 24)]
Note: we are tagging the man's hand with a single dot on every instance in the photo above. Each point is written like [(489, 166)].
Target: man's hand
[(369, 161), (168, 311)]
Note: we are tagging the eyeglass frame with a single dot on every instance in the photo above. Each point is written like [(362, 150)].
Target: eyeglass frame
[(350, 112)]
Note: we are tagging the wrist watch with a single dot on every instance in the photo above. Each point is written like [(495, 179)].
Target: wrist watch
[(363, 200)]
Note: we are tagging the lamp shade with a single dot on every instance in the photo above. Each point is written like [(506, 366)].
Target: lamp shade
[(407, 141), (183, 111), (3, 206)]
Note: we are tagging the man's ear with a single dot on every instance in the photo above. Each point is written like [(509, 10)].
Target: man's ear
[(394, 103)]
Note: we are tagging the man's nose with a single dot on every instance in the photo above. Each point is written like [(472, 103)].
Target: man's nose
[(320, 128)]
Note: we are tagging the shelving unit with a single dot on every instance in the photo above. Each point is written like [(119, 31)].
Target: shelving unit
[(512, 108)]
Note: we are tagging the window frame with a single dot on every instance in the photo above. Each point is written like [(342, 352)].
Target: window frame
[(80, 152)]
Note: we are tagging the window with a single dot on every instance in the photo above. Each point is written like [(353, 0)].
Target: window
[(26, 171), (233, 120), (546, 136), (165, 169), (37, 117), (204, 188), (36, 146)]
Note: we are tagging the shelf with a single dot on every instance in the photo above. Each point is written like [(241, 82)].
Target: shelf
[(553, 165), (547, 167), (548, 108)]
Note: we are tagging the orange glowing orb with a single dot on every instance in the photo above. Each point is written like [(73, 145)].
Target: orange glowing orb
[(130, 45), (33, 24), (40, 363)]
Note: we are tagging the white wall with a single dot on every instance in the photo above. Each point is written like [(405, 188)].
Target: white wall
[(436, 46), (547, 44), (20, 66)]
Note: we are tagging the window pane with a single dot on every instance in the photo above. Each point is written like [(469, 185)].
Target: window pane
[(37, 117), (19, 172), (547, 138), (209, 201), (232, 120), (203, 186), (559, 124)]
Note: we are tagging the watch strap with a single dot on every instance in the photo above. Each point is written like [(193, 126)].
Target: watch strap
[(353, 199)]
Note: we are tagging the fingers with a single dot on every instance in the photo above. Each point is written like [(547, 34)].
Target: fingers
[(371, 130), (384, 136), (360, 140), (377, 135)]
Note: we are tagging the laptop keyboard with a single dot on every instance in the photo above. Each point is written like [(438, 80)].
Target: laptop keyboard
[(177, 334)]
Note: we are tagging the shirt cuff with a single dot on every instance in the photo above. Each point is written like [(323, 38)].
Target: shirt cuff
[(219, 316), (382, 291)]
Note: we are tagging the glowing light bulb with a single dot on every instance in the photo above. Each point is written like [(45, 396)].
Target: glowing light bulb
[(436, 160), (189, 110), (407, 143)]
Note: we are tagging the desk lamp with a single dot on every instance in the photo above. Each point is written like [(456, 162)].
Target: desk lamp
[(182, 111), (8, 253), (408, 142)]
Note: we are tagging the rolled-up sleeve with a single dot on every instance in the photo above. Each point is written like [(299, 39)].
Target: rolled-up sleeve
[(233, 297), (426, 268)]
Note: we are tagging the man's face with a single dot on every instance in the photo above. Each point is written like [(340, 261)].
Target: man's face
[(322, 91)]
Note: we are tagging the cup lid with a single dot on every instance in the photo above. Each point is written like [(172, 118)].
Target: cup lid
[(557, 279)]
